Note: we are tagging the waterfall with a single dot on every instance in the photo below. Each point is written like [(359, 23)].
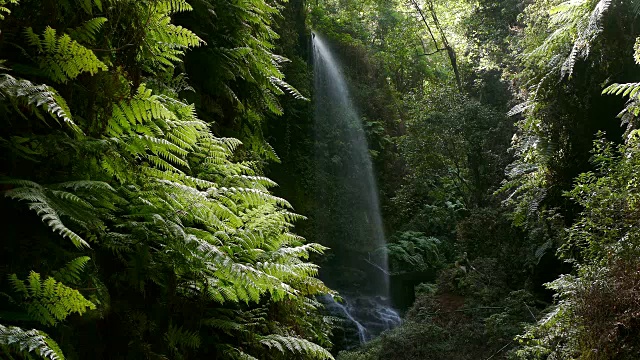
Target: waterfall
[(348, 218)]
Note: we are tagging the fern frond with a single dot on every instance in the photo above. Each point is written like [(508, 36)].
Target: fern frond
[(588, 29), (5, 10), (177, 338), (636, 49), (28, 341), (228, 326), (63, 58), (49, 211), (302, 251), (272, 104), (86, 184), (244, 356), (165, 43), (181, 37), (49, 301), (629, 89), (87, 5), (283, 84), (173, 6), (88, 30), (70, 273), (38, 96), (296, 345)]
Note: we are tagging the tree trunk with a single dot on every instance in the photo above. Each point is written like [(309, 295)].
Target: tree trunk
[(450, 52)]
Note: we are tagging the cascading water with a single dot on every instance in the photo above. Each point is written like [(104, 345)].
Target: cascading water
[(348, 218)]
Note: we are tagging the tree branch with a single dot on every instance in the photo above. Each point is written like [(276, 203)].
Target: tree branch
[(432, 53)]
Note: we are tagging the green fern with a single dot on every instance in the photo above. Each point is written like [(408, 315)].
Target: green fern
[(160, 130), (574, 25), (629, 89), (295, 345), (61, 57), (4, 10), (49, 301), (631, 111), (228, 326), (70, 273), (87, 5), (51, 205), (173, 6), (588, 31), (293, 91), (88, 30), (166, 206), (24, 92), (165, 42), (178, 338), (27, 341)]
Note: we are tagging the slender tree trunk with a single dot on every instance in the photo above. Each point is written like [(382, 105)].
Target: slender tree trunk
[(450, 52), (447, 47)]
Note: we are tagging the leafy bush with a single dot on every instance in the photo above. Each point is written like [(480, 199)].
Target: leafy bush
[(412, 251), (597, 315)]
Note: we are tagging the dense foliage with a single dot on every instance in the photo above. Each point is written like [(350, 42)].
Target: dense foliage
[(493, 182), (130, 231), (140, 138)]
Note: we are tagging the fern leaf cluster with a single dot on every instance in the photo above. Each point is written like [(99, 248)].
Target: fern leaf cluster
[(49, 301), (53, 204), (87, 32), (165, 43), (248, 74), (295, 345), (189, 250), (573, 27), (20, 91), (28, 341), (4, 10), (61, 57)]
